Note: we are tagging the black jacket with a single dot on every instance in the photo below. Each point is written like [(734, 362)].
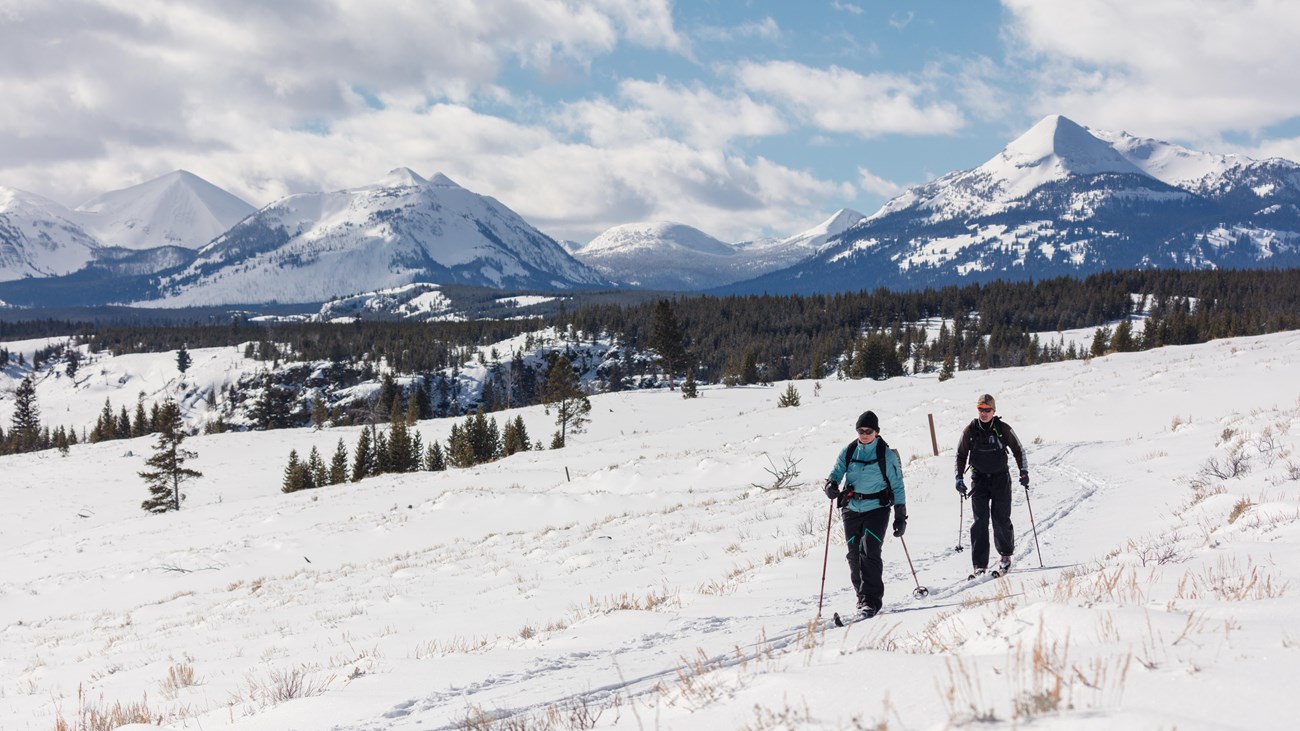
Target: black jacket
[(986, 446)]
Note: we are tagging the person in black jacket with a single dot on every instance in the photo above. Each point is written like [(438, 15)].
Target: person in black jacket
[(985, 442), (873, 480)]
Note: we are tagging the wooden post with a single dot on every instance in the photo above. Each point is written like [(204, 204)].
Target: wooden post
[(934, 441), (570, 479)]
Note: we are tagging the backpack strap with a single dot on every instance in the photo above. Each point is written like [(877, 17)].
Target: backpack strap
[(886, 495)]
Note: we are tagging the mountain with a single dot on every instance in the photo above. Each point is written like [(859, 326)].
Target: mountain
[(177, 209), (401, 229), (673, 256), (40, 238), (1065, 200)]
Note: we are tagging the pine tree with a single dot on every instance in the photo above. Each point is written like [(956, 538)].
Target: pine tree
[(563, 394), (948, 369), (140, 426), (515, 438), (435, 460), (667, 338), (364, 457), (689, 387), (316, 469), (339, 465), (319, 412), (123, 428), (25, 424), (399, 439), (168, 471), (460, 447), (295, 477), (789, 398), (183, 360)]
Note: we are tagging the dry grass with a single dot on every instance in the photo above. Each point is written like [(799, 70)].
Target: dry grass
[(1239, 509), (1118, 585), (1229, 581), (278, 686), (99, 716), (435, 648), (179, 675)]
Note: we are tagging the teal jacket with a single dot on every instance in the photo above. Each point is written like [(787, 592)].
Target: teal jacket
[(866, 478)]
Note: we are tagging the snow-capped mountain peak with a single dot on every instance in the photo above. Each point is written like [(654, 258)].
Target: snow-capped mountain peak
[(401, 229), (1062, 199), (1170, 163), (401, 177), (656, 235), (1053, 149), (176, 209), (442, 181), (39, 237)]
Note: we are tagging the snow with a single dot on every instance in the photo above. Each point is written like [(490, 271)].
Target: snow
[(673, 256), (527, 300), (370, 237), (176, 209), (39, 237), (643, 566)]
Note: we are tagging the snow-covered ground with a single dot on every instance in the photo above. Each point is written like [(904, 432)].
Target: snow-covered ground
[(641, 578)]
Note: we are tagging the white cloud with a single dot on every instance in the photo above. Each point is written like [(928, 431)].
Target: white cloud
[(846, 7), (842, 100), (180, 79), (873, 183), (766, 29), (1162, 67), (901, 20), (271, 99), (646, 109)]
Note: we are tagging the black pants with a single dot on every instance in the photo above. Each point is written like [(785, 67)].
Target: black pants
[(864, 533), (990, 491)]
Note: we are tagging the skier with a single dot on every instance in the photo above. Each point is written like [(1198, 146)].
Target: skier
[(871, 486), (986, 441)]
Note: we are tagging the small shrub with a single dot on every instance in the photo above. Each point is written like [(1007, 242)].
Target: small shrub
[(1239, 509)]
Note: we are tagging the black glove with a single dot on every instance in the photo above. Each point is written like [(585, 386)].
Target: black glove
[(961, 486), (1024, 479), (832, 489), (900, 520)]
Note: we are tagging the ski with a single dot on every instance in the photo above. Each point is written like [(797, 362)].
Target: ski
[(849, 619)]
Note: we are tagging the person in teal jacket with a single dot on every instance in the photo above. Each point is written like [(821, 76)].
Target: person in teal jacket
[(864, 507)]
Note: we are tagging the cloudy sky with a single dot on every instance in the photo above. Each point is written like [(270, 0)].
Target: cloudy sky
[(742, 118)]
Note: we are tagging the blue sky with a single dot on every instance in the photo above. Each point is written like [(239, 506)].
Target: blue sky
[(743, 119)]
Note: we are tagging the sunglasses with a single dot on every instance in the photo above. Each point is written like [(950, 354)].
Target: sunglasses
[(866, 432), (985, 410)]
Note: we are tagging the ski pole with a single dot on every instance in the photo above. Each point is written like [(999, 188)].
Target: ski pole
[(1035, 527), (830, 516), (919, 591), (961, 520)]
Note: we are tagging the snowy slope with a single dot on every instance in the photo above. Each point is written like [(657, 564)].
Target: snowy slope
[(176, 209), (640, 579), (314, 246), (39, 238), (673, 256)]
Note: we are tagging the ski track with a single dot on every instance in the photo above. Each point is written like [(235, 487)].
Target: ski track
[(583, 666)]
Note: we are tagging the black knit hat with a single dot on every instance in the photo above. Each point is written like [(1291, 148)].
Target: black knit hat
[(869, 420)]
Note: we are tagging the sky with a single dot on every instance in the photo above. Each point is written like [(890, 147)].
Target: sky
[(743, 119), (643, 576)]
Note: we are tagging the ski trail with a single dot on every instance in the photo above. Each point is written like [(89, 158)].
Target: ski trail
[(579, 668)]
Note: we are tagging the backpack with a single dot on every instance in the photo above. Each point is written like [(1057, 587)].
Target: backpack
[(982, 455), (885, 496)]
